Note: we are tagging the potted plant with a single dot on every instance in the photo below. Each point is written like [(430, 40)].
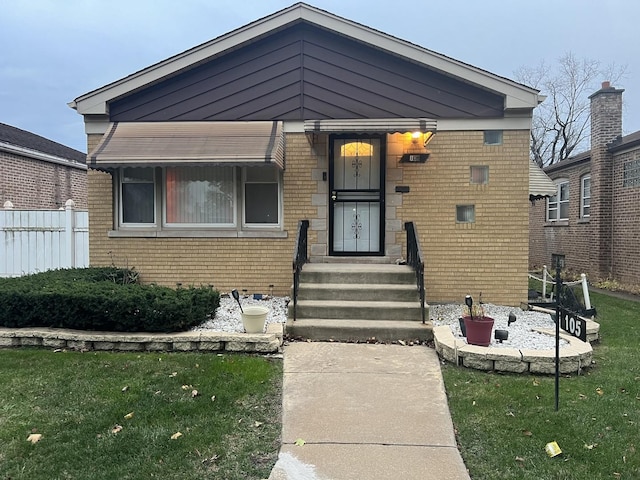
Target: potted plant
[(477, 324)]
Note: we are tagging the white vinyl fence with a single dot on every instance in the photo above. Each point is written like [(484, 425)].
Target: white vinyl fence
[(33, 241)]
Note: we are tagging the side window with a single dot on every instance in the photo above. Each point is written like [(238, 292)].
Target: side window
[(558, 205), (137, 196), (465, 213), (261, 196), (479, 175), (585, 196), (493, 137)]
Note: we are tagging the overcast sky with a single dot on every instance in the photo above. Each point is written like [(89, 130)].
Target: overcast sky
[(52, 51)]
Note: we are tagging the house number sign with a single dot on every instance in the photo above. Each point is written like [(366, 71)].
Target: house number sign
[(574, 325)]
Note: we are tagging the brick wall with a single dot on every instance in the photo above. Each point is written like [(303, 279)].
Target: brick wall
[(571, 238), (36, 184), (489, 256), (625, 248), (226, 263)]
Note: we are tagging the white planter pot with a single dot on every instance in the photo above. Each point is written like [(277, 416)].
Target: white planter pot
[(254, 318)]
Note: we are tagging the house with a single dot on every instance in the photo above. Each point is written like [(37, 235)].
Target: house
[(593, 220), (38, 173), (201, 166)]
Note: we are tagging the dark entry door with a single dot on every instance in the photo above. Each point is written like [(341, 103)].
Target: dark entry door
[(356, 201)]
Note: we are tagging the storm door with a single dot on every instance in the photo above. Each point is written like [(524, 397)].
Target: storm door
[(356, 195)]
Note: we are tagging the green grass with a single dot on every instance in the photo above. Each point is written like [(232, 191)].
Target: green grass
[(76, 399), (503, 421)]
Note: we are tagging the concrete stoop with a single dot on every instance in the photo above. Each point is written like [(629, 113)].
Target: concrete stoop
[(358, 302), (199, 341)]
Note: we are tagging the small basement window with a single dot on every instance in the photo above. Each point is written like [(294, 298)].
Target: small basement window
[(465, 213)]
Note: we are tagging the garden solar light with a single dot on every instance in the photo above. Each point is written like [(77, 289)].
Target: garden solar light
[(236, 295), (501, 335), (512, 318)]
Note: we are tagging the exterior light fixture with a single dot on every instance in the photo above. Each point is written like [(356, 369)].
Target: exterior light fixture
[(417, 152)]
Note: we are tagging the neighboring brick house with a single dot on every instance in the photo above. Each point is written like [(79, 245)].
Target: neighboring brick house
[(594, 218), (38, 173), (202, 165)]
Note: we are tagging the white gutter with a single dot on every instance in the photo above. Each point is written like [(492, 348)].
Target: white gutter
[(45, 157)]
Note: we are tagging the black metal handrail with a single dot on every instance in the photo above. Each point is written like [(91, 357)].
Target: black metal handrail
[(416, 261), (300, 257)]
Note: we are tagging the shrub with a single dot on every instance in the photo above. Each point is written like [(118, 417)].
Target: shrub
[(108, 299)]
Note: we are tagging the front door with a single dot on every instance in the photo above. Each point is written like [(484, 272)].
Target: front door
[(356, 195)]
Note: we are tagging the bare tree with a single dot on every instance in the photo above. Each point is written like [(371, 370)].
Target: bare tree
[(561, 125)]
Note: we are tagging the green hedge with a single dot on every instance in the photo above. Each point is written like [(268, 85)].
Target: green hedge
[(108, 299)]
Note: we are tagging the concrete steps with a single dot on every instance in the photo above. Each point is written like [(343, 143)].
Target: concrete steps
[(358, 302)]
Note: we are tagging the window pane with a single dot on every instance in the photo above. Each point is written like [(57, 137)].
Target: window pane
[(493, 137), (479, 174), (564, 192), (137, 203), (564, 210), (261, 202), (199, 195), (465, 213), (137, 174), (261, 174)]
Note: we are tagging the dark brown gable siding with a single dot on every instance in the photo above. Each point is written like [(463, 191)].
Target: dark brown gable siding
[(305, 73)]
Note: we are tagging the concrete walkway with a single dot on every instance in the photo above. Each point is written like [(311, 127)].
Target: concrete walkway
[(360, 411)]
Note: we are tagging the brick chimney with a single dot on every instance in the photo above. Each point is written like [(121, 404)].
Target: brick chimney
[(606, 126)]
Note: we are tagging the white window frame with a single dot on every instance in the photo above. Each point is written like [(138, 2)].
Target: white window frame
[(585, 200), (278, 182), (555, 202), (120, 202), (160, 202)]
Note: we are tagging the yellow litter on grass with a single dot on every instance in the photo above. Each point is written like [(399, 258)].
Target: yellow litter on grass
[(552, 449)]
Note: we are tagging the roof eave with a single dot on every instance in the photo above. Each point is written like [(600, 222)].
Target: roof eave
[(517, 96)]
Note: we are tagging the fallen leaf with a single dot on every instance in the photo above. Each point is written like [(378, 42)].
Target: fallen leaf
[(213, 398), (34, 438), (187, 387), (197, 365), (173, 374), (599, 391), (511, 414), (519, 459), (257, 424), (582, 397), (402, 343), (117, 429), (536, 383), (129, 416), (591, 446), (299, 442), (125, 388), (526, 433), (474, 403), (176, 436)]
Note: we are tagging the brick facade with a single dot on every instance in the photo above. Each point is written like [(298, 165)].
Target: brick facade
[(607, 243), (488, 256), (37, 184)]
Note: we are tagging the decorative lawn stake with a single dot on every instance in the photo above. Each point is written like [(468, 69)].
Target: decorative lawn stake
[(236, 295)]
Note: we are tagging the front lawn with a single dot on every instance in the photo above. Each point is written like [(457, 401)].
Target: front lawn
[(503, 421), (137, 416)]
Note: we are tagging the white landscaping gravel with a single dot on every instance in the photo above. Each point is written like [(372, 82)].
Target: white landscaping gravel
[(521, 335), (227, 318)]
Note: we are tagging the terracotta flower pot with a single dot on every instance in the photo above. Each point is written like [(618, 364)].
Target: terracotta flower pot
[(478, 330)]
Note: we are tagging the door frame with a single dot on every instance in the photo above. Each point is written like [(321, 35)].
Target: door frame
[(381, 196)]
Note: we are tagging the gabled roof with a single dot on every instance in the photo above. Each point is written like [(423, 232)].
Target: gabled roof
[(516, 96), (27, 141)]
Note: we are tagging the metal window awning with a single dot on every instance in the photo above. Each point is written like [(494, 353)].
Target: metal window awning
[(146, 144), (371, 125), (540, 185)]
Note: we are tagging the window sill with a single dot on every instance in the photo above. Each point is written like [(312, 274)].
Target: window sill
[(561, 223), (584, 220), (197, 233)]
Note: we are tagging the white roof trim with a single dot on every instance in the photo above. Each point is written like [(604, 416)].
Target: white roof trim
[(36, 155), (389, 125), (516, 96)]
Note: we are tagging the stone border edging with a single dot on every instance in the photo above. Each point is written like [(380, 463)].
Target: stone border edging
[(199, 341), (573, 358)]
